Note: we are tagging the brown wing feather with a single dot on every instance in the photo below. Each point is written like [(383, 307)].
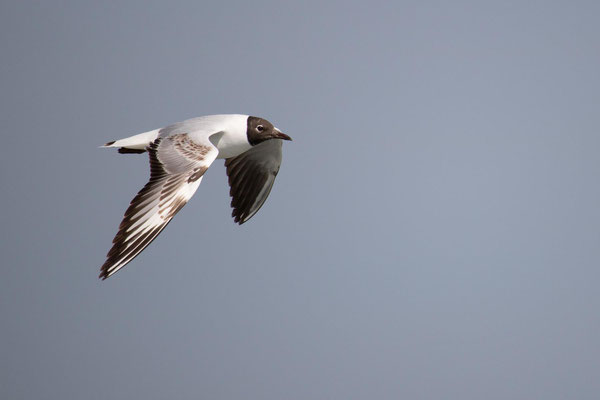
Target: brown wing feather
[(160, 199), (251, 177)]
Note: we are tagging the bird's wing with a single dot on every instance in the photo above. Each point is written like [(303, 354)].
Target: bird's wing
[(177, 164), (251, 177)]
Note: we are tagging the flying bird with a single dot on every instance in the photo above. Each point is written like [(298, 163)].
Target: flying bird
[(179, 156)]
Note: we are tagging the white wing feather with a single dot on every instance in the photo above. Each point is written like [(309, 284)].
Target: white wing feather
[(177, 164)]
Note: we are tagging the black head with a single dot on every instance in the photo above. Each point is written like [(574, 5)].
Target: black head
[(260, 129)]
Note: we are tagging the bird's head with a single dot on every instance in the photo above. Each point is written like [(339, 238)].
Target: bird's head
[(259, 130)]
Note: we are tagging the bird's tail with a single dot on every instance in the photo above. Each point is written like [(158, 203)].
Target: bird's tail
[(134, 144)]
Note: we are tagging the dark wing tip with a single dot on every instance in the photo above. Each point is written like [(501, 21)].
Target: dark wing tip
[(237, 217), (116, 253), (110, 143), (125, 150), (104, 271), (250, 184)]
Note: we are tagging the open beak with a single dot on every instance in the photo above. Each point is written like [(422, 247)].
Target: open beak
[(281, 135)]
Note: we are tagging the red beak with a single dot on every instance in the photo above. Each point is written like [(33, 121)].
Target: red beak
[(281, 135)]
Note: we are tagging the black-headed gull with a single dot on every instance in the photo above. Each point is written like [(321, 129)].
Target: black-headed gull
[(180, 154)]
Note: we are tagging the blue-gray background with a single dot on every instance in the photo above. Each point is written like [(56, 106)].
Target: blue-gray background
[(433, 232)]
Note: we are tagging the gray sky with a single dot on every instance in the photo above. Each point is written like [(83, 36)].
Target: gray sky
[(433, 232)]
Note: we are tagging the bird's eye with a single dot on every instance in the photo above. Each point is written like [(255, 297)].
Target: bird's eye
[(260, 128)]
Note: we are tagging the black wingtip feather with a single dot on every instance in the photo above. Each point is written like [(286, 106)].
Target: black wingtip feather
[(116, 252), (125, 150)]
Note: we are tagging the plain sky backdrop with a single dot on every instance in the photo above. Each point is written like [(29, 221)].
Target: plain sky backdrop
[(433, 232)]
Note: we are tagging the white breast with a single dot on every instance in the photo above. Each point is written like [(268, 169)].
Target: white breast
[(232, 138)]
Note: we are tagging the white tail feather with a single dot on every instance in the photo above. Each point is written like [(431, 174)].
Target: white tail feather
[(137, 142)]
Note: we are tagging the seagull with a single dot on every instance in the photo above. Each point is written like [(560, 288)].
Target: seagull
[(179, 156)]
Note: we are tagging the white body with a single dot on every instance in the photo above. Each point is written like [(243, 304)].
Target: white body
[(227, 132)]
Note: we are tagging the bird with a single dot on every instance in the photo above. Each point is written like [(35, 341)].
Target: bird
[(179, 156)]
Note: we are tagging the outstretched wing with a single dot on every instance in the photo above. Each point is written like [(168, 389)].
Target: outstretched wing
[(177, 164), (251, 177)]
